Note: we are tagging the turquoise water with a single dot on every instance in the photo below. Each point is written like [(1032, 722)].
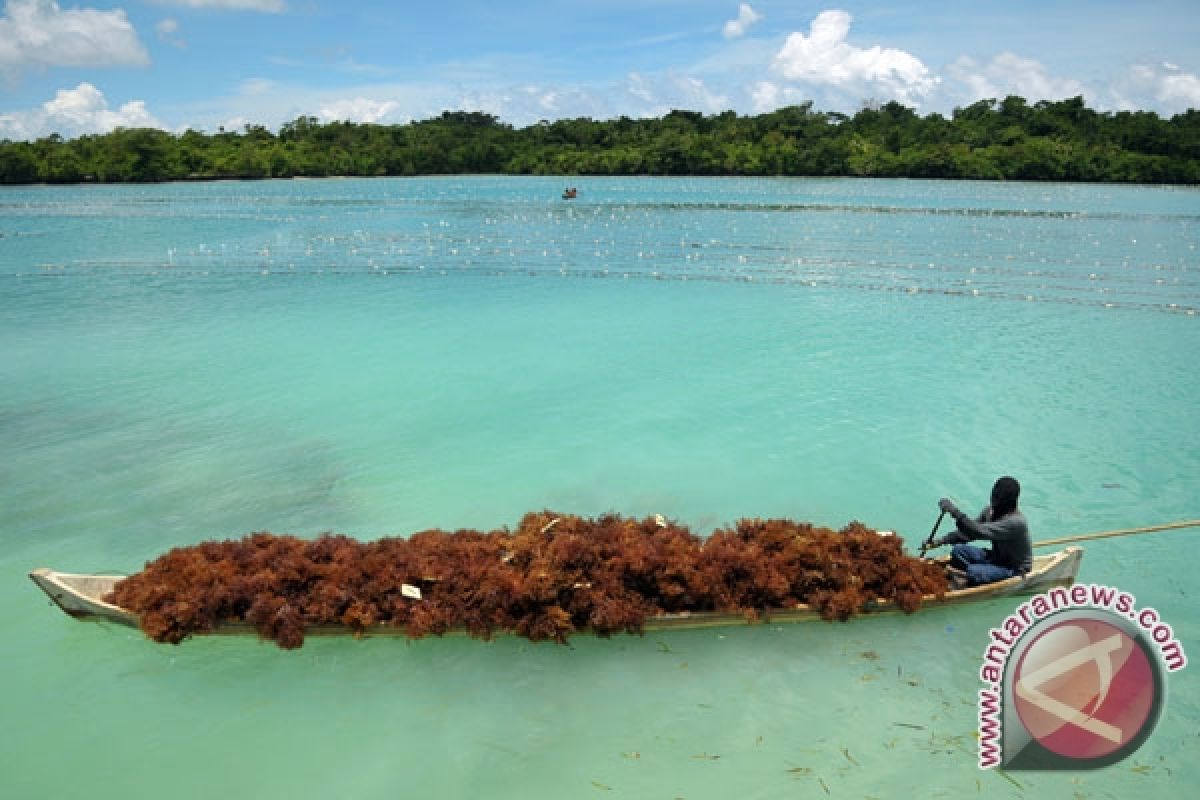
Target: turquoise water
[(186, 361)]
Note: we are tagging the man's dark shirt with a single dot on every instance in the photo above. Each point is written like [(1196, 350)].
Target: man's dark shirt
[(1009, 535)]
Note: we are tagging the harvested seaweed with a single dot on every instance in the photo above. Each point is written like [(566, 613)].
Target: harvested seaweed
[(554, 575)]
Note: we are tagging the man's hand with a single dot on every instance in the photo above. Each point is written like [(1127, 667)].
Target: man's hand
[(947, 506)]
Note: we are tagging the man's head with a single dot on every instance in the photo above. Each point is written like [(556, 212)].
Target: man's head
[(1004, 496)]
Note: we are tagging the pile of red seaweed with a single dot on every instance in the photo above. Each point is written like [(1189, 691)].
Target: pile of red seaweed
[(554, 575)]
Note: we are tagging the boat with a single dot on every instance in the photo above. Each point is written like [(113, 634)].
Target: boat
[(81, 596)]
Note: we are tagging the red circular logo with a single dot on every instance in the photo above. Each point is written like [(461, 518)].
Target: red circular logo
[(1084, 689)]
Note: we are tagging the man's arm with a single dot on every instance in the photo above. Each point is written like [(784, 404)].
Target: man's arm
[(981, 528), (953, 537)]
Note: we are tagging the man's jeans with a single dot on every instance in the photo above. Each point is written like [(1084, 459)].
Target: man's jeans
[(975, 562)]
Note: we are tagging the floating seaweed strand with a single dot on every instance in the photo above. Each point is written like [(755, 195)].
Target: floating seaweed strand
[(554, 575)]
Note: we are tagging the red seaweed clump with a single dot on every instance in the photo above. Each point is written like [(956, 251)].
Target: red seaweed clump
[(554, 575)]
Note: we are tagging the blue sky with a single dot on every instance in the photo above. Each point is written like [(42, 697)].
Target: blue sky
[(175, 64)]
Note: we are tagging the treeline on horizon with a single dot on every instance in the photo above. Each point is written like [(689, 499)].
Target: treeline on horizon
[(1005, 139)]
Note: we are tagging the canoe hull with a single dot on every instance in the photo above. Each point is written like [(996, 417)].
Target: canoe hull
[(80, 596)]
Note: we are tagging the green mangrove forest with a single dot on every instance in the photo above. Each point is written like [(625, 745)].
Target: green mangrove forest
[(1007, 139)]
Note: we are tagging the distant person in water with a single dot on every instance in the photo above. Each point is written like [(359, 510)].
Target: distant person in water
[(1000, 523)]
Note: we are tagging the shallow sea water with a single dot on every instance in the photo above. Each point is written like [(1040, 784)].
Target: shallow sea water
[(375, 357)]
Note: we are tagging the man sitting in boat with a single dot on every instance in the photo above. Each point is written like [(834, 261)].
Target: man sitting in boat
[(1000, 523)]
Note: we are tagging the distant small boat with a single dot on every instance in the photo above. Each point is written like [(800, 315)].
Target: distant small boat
[(81, 596), (570, 194)]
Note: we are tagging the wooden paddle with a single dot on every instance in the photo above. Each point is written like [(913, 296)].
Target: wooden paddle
[(929, 540)]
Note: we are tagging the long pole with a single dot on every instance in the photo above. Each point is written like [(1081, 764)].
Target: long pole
[(1083, 537)]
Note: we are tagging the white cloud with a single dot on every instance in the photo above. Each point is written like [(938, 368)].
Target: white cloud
[(269, 6), (824, 58), (654, 96), (695, 96), (256, 86), (1178, 89), (746, 18), (1008, 74), (766, 96), (639, 87), (526, 105), (259, 101), (166, 30), (74, 112), (234, 124), (549, 100), (638, 96), (358, 109), (38, 33), (1164, 86)]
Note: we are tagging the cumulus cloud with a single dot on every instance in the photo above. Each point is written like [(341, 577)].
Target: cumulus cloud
[(1168, 84), (75, 112), (746, 18), (269, 6), (38, 33), (766, 96), (1165, 86), (1180, 89), (357, 109), (824, 58), (1008, 74)]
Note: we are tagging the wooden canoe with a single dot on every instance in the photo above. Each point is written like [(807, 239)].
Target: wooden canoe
[(81, 597)]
